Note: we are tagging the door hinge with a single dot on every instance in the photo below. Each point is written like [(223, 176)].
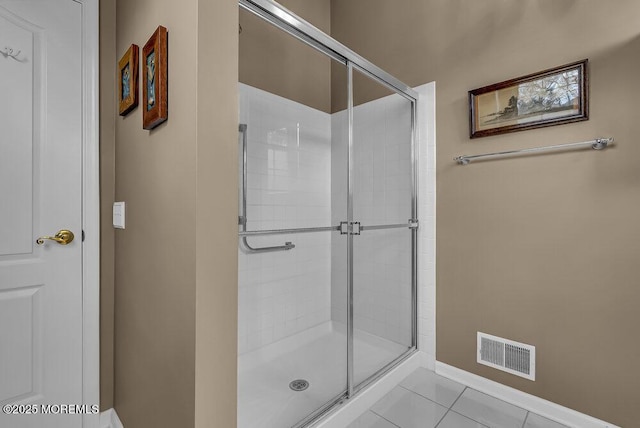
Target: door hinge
[(83, 236)]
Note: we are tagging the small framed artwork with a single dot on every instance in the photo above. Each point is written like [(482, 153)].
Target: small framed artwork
[(551, 97), (128, 81), (154, 79)]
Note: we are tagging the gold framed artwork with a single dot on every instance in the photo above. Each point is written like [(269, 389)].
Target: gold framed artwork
[(154, 79), (551, 97), (128, 81)]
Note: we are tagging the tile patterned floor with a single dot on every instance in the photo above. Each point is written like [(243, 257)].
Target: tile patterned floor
[(427, 400)]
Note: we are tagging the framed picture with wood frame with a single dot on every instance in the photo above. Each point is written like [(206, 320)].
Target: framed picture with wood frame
[(128, 81), (551, 97), (154, 79)]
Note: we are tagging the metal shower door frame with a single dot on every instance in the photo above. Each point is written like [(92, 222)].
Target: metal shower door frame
[(352, 388), (292, 24)]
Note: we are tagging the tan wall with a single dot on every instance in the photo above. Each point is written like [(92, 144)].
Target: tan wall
[(107, 191), (175, 295), (277, 63), (155, 255), (217, 215), (544, 249)]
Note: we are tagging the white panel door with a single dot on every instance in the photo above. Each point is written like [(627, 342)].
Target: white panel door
[(40, 194)]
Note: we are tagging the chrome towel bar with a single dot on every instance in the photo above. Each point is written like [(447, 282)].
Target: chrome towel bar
[(598, 144)]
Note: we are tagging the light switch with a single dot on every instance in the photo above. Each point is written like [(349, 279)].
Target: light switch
[(118, 215)]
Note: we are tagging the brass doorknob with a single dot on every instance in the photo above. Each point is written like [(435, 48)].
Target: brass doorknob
[(63, 237)]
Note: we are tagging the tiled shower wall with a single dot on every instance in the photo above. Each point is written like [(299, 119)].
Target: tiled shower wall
[(297, 162), (427, 215), (289, 186)]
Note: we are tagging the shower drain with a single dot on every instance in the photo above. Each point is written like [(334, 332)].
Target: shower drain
[(299, 385)]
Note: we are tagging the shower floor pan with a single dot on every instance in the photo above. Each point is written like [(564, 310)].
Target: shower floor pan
[(318, 356)]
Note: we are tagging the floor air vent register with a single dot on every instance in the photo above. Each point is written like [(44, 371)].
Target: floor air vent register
[(506, 355)]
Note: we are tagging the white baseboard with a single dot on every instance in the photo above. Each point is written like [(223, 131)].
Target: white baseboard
[(109, 419), (353, 408), (538, 405)]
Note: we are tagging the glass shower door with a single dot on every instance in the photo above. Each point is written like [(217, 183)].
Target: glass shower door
[(382, 188), (327, 258)]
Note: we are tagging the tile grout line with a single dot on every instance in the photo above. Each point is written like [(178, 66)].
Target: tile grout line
[(433, 401), (442, 418), (525, 419), (419, 395), (471, 419), (450, 407), (500, 399), (462, 414), (463, 391), (382, 417)]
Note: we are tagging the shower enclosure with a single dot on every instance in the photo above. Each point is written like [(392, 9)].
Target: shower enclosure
[(327, 221)]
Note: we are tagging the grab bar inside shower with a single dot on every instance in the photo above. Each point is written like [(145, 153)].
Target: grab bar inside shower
[(249, 249), (242, 220)]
